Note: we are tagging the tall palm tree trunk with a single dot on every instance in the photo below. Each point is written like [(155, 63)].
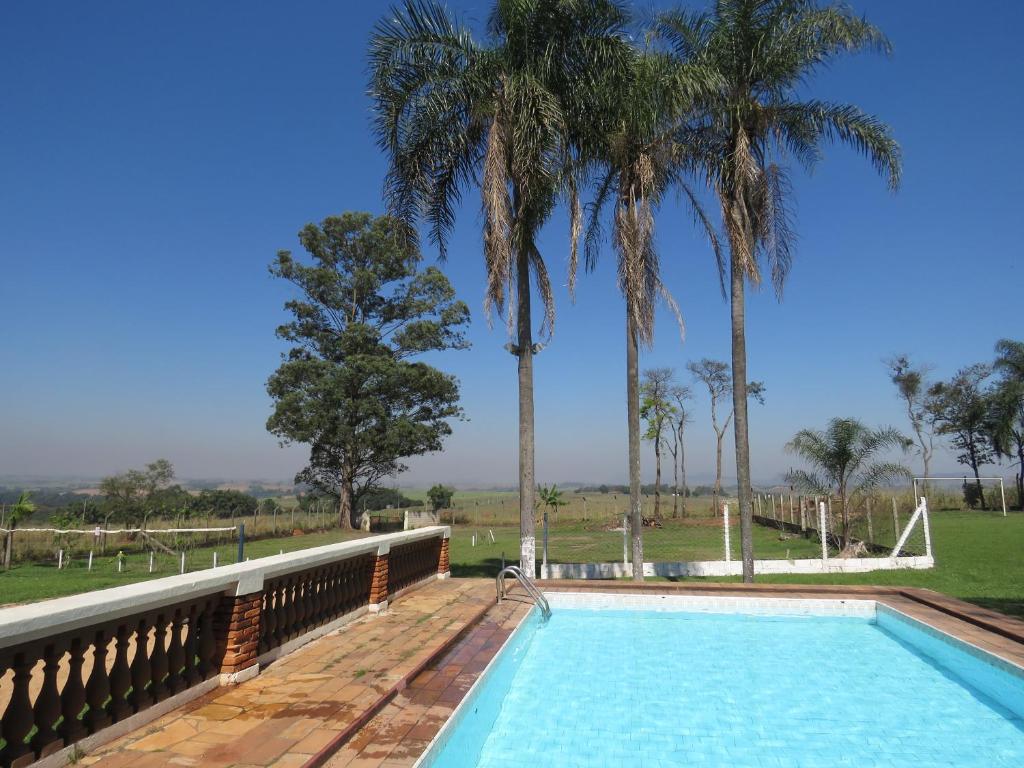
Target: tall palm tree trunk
[(527, 529), (739, 404), (633, 419)]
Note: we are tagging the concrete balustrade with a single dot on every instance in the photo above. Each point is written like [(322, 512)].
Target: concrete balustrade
[(81, 670)]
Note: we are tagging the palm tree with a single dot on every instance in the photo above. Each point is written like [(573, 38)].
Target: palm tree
[(639, 161), (764, 52), (22, 508), (451, 110), (842, 456)]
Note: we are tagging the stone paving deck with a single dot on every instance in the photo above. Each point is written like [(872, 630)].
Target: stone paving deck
[(300, 703), (327, 703)]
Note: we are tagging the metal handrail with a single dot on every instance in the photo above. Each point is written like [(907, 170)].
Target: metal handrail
[(531, 589)]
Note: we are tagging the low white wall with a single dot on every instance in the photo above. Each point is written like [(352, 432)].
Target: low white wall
[(418, 518), (735, 567), (24, 623)]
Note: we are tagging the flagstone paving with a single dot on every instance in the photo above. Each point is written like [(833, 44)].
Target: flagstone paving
[(372, 695), (303, 701)]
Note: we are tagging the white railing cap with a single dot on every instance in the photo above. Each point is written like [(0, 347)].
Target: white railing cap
[(25, 623)]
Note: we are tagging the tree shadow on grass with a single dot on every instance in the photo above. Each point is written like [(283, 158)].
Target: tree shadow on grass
[(487, 567)]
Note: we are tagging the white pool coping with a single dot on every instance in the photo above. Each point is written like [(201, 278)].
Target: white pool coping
[(724, 604)]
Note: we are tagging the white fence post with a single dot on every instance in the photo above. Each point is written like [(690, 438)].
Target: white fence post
[(927, 528), (823, 532), (625, 540), (725, 525)]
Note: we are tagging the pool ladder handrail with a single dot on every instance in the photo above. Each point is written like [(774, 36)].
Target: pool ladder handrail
[(527, 583)]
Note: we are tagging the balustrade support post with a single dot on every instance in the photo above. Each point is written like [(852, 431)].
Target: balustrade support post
[(236, 628), (443, 562), (379, 582)]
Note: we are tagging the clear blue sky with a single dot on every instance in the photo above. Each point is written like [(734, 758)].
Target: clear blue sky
[(154, 156)]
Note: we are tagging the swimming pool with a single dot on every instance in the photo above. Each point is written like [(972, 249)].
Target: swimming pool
[(615, 680)]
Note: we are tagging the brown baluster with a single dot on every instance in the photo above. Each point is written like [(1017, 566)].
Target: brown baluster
[(331, 593), (280, 613), (72, 698), (300, 605), (312, 618), (192, 676), (46, 740), (176, 655), (97, 688), (18, 719), (290, 612), (207, 642), (268, 619), (141, 673), (158, 661), (120, 676)]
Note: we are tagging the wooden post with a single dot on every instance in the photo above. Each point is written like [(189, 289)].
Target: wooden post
[(895, 520), (871, 532), (725, 526)]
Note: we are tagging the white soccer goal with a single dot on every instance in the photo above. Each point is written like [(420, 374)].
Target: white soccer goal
[(963, 480)]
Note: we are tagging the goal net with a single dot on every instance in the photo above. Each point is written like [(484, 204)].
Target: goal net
[(962, 493)]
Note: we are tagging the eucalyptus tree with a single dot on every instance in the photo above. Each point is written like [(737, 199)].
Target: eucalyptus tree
[(844, 460), (765, 52), (961, 410), (506, 114), (714, 375), (1007, 408), (912, 384), (639, 161), (680, 396), (657, 409)]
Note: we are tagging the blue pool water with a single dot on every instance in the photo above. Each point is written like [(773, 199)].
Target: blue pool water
[(639, 688)]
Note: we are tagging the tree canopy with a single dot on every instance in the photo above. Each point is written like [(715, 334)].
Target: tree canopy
[(349, 386)]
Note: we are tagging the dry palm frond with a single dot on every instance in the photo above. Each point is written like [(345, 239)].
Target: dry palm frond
[(498, 214)]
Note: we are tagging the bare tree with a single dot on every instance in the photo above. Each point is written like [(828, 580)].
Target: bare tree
[(714, 374), (657, 410), (912, 385), (679, 396)]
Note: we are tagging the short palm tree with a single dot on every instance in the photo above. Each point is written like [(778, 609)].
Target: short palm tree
[(639, 161), (451, 111), (843, 457), (764, 52), (21, 509)]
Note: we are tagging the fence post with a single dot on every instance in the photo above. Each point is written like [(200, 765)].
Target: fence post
[(725, 527), (895, 520), (544, 560), (625, 540), (241, 543), (871, 533), (824, 532), (927, 528)]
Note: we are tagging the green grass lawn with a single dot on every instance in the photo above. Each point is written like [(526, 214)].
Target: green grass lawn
[(978, 555), (25, 583)]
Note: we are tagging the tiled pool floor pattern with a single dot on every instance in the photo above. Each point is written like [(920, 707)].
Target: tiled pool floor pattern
[(688, 690)]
